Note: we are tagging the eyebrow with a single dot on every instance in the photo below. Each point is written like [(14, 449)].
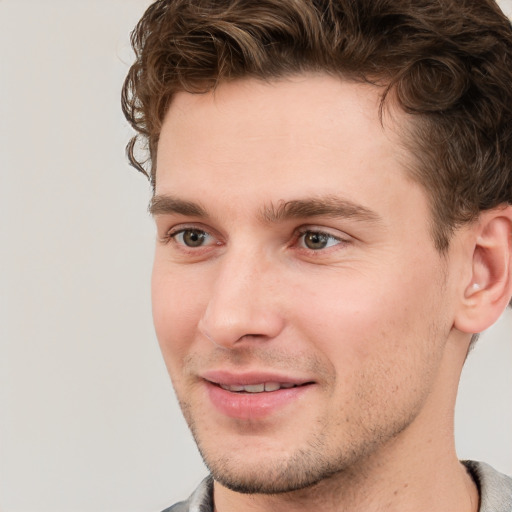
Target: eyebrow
[(164, 204), (324, 206)]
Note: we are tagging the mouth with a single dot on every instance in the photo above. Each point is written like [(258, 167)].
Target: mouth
[(264, 387), (255, 395)]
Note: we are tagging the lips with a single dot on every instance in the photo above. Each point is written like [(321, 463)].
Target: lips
[(253, 396)]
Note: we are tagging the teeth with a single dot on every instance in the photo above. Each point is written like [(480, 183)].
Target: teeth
[(234, 387), (257, 388)]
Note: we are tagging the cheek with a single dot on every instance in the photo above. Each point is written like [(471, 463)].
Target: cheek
[(177, 309), (370, 320), (382, 350)]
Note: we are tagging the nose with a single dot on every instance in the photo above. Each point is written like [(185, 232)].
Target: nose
[(243, 302)]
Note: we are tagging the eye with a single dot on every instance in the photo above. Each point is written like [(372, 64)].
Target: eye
[(192, 237), (317, 240)]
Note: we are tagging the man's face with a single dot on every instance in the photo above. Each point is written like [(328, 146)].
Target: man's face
[(300, 304)]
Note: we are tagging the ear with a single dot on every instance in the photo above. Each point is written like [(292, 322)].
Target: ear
[(489, 289)]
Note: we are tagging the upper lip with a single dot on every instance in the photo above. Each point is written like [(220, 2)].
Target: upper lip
[(223, 377)]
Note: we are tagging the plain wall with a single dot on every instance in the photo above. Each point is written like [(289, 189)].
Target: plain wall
[(88, 419)]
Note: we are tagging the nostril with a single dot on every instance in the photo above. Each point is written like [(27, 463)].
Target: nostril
[(223, 345)]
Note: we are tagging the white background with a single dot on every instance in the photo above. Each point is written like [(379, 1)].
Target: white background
[(88, 420)]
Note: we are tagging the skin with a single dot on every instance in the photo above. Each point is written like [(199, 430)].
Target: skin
[(356, 302)]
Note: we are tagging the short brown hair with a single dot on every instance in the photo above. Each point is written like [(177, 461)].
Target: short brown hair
[(447, 63)]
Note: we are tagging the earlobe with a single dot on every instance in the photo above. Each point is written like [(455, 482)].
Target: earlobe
[(488, 292)]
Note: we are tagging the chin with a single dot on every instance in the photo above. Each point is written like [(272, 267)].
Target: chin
[(269, 471), (272, 477)]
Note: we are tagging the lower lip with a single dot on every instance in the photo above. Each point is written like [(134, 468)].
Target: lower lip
[(253, 406)]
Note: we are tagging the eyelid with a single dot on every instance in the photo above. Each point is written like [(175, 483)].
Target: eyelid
[(331, 232), (342, 238), (177, 230), (172, 233), (184, 226)]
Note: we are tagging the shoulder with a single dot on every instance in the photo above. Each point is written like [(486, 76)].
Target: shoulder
[(182, 506), (201, 500), (495, 488)]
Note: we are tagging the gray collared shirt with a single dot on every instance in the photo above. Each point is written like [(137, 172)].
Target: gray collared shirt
[(495, 491)]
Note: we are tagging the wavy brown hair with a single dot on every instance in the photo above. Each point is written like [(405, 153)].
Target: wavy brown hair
[(446, 63)]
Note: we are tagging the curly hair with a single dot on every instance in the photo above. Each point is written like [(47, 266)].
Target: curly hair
[(447, 63)]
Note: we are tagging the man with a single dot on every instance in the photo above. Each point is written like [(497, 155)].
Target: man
[(333, 200)]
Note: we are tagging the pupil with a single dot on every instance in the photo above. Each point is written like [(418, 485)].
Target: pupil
[(193, 238), (316, 240)]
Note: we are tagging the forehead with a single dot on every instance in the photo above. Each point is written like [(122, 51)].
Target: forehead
[(279, 140), (310, 111)]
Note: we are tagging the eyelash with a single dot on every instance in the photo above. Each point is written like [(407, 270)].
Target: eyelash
[(301, 233), (172, 235)]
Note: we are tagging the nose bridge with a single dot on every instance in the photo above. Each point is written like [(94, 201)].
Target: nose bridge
[(241, 303)]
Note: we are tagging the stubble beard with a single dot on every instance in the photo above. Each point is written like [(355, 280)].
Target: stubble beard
[(336, 450), (313, 463)]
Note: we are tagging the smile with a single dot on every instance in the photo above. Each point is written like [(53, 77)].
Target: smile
[(255, 399), (258, 388)]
